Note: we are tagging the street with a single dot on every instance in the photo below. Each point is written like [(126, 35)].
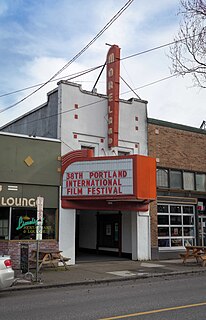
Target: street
[(169, 297)]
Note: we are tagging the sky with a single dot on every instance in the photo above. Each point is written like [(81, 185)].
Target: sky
[(38, 38)]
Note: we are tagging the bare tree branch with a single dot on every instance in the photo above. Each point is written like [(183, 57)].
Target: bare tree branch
[(188, 53)]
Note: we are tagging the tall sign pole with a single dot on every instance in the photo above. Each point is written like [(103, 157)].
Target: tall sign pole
[(113, 79), (39, 229)]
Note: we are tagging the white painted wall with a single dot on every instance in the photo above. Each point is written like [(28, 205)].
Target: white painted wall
[(126, 232), (141, 240), (87, 230), (91, 129), (67, 233), (92, 126)]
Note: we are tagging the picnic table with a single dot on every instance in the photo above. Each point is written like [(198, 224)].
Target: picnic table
[(195, 252), (48, 257)]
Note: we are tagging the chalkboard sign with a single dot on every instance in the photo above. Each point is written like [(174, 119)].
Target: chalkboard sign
[(24, 258)]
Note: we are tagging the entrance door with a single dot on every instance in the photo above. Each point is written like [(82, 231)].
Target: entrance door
[(109, 232), (202, 230)]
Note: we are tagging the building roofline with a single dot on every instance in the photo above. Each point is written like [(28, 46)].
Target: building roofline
[(101, 95), (175, 125), (29, 112), (17, 135)]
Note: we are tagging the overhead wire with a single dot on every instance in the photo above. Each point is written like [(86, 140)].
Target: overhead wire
[(111, 21), (72, 76), (151, 83), (91, 103), (94, 68)]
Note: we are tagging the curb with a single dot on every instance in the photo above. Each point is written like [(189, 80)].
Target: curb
[(41, 285)]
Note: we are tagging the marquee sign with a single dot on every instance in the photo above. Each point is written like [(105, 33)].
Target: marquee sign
[(101, 178), (125, 178), (113, 76)]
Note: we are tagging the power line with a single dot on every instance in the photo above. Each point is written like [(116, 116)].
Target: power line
[(94, 68), (130, 88), (111, 21), (72, 76), (149, 84), (90, 104), (162, 46), (63, 112)]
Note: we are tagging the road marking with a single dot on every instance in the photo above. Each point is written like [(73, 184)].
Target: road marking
[(152, 265), (155, 311), (123, 273)]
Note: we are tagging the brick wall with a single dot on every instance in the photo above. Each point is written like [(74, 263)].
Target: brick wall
[(12, 248), (175, 148)]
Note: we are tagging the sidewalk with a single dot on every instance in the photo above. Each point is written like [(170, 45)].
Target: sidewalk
[(99, 271)]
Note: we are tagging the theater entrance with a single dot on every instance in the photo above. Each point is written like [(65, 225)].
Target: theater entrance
[(98, 233), (109, 233)]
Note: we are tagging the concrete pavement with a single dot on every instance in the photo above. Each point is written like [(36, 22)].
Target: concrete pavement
[(104, 269)]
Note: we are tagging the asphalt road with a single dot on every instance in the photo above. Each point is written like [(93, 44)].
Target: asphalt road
[(166, 298)]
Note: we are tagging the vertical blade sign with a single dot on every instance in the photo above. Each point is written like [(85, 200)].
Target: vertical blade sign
[(113, 76)]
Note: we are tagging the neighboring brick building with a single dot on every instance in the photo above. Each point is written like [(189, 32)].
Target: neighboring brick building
[(179, 215)]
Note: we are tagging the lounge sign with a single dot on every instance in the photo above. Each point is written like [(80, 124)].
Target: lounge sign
[(17, 202), (98, 178)]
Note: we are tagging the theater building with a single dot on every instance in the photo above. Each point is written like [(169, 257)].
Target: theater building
[(108, 180), (29, 167), (179, 215)]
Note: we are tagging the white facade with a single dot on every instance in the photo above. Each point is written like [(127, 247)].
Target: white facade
[(83, 122)]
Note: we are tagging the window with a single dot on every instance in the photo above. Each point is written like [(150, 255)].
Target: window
[(176, 225), (200, 182), (162, 178), (4, 223), (89, 147), (188, 181), (23, 224), (123, 153), (163, 219), (179, 179), (175, 179)]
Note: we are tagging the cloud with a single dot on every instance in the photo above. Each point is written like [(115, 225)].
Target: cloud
[(38, 38)]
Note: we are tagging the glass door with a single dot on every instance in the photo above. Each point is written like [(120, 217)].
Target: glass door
[(202, 230)]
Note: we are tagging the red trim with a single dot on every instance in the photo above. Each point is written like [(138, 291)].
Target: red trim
[(105, 205), (144, 177), (77, 155), (113, 76)]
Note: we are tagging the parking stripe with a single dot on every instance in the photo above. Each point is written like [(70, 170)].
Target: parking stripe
[(155, 311)]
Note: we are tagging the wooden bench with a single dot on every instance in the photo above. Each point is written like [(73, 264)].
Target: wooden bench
[(194, 252), (48, 258), (203, 258), (185, 256)]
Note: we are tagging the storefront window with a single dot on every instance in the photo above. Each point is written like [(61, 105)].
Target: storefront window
[(175, 220), (163, 231), (175, 209), (163, 219), (23, 224), (176, 243), (162, 208), (176, 231), (165, 243), (187, 209), (4, 223), (176, 225)]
